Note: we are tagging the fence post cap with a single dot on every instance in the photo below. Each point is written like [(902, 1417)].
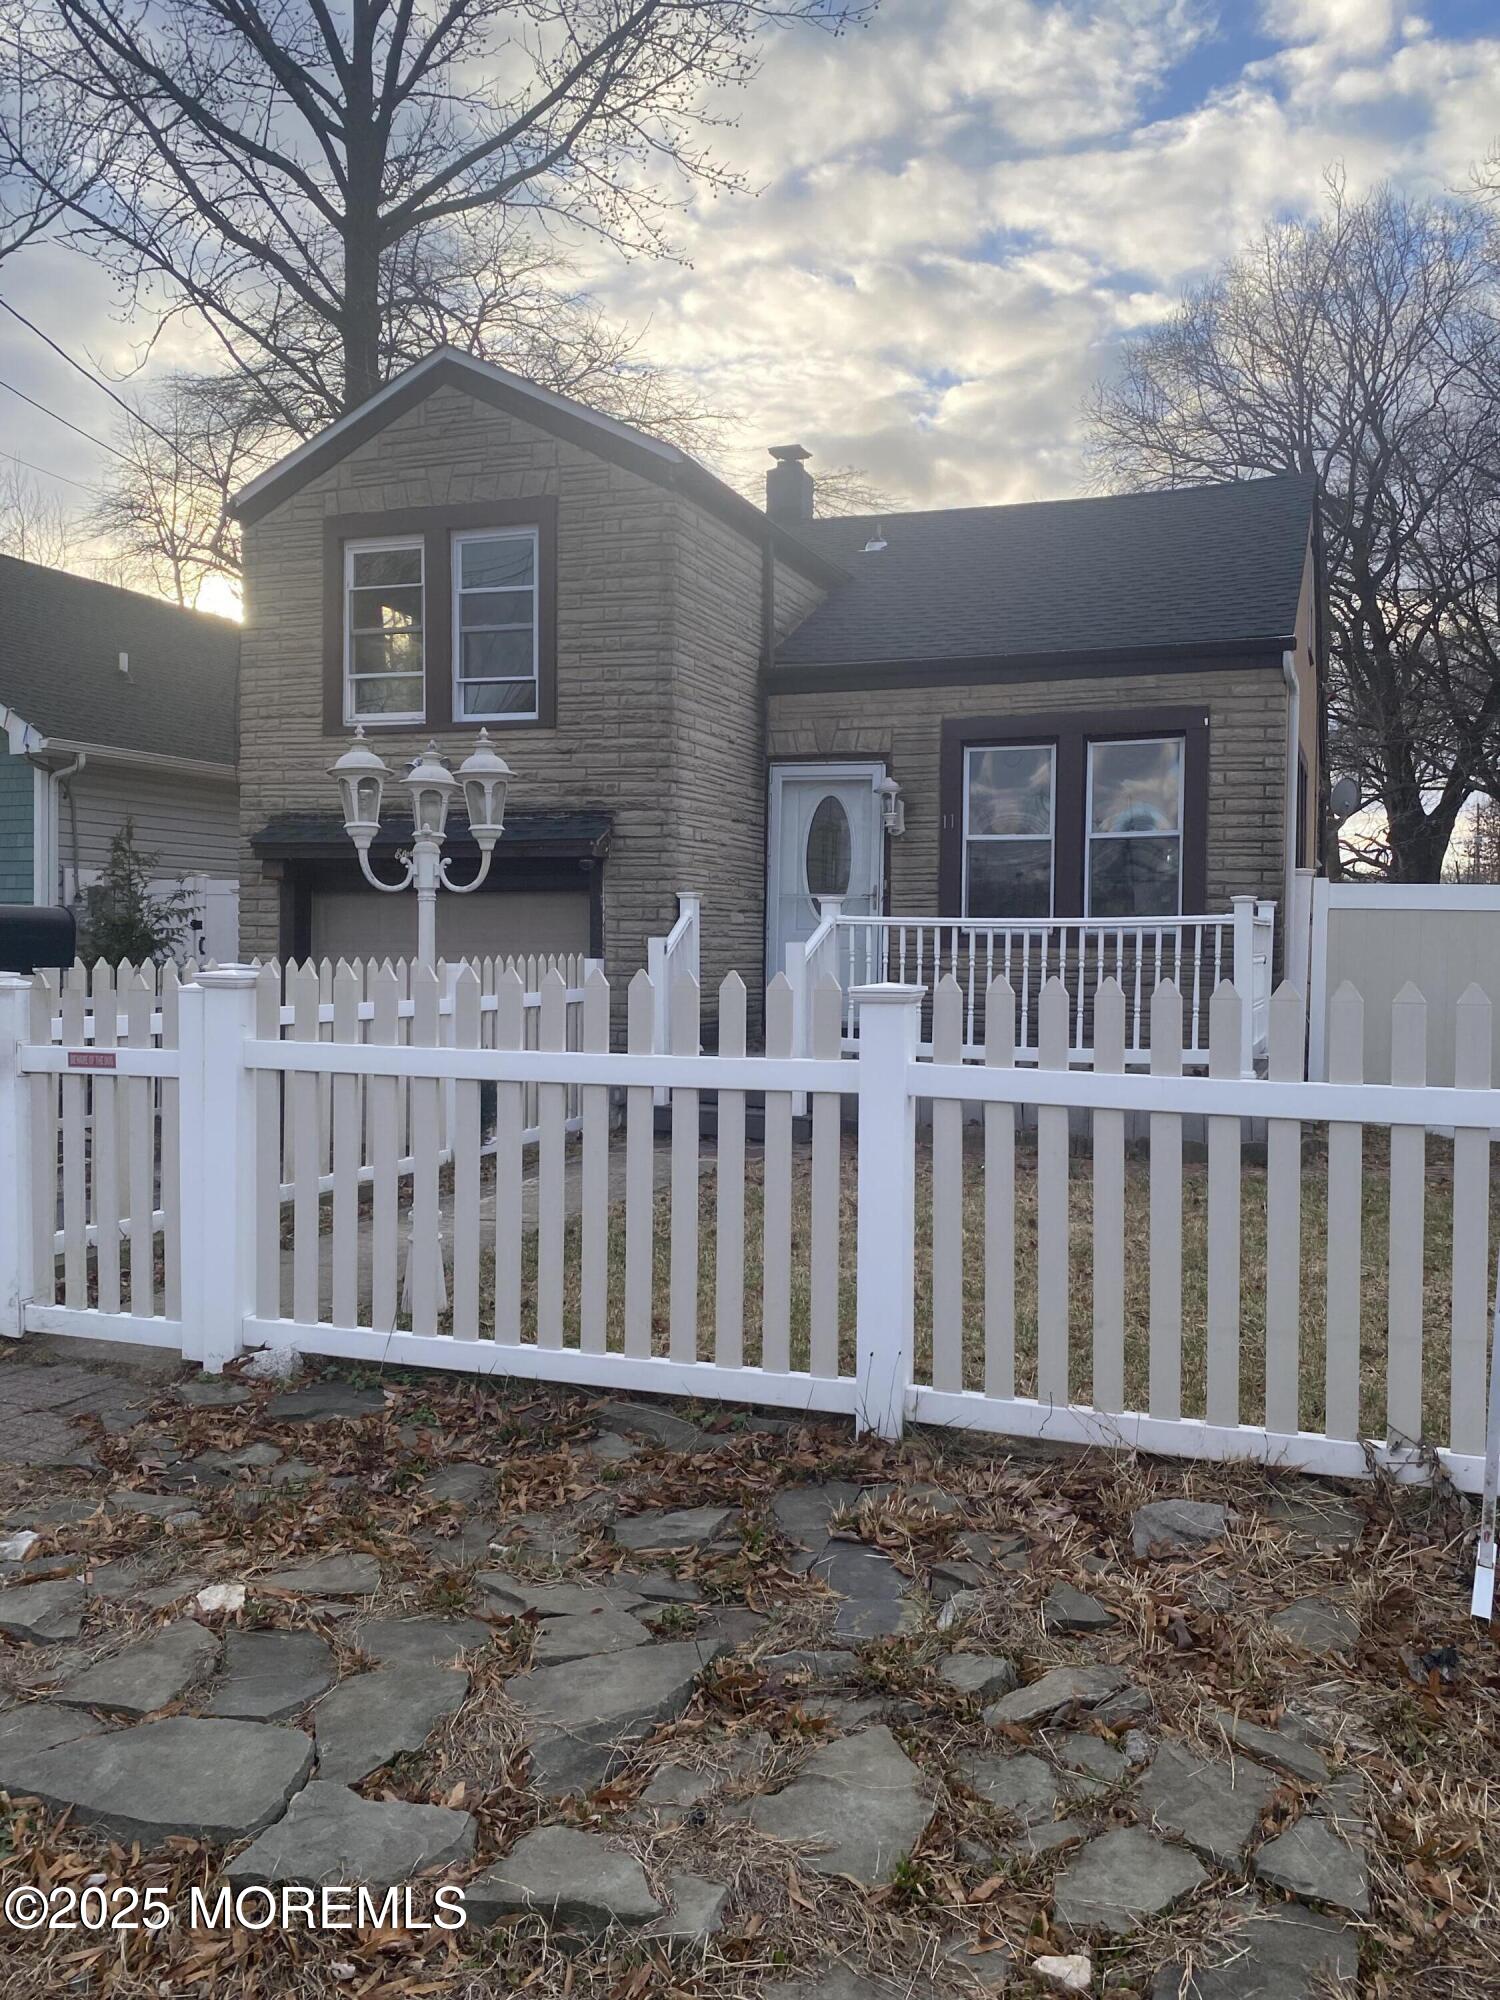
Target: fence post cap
[(1235, 901), (10, 981), (887, 993), (227, 977)]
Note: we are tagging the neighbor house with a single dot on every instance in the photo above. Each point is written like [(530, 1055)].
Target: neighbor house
[(1099, 708), (116, 707)]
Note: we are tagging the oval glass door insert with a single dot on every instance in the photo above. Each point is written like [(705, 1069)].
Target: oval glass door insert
[(829, 849)]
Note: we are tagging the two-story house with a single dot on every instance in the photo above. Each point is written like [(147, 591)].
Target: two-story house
[(1101, 708)]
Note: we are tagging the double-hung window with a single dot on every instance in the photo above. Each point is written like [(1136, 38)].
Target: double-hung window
[(384, 630), (495, 625), (1009, 819), (1134, 828)]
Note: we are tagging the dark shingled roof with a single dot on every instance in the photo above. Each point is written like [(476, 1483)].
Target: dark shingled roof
[(61, 638), (1211, 567)]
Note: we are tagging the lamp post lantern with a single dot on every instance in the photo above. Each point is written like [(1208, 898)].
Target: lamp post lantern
[(483, 777)]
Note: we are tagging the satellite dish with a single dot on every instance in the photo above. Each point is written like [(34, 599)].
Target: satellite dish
[(1344, 798)]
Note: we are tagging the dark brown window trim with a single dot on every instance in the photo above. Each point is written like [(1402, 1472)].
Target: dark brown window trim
[(436, 526), (1071, 734)]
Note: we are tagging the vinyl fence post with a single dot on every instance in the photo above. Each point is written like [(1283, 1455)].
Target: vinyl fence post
[(1244, 976), (16, 1236), (216, 1111), (888, 1018)]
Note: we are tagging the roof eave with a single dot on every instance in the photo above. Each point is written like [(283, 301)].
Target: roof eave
[(790, 675)]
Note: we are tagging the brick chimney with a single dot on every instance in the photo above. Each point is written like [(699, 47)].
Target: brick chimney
[(789, 487)]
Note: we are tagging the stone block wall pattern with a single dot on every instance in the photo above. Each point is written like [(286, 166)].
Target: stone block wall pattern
[(659, 718)]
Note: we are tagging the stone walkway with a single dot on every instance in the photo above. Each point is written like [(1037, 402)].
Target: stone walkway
[(733, 1704)]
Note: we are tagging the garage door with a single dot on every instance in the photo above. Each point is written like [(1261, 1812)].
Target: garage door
[(365, 924)]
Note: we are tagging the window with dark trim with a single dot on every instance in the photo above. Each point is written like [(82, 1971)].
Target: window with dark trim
[(384, 664), (494, 625), (473, 640), (1008, 829), (1074, 815), (1133, 828)]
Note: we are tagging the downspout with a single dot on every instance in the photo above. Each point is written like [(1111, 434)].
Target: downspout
[(1293, 752), (60, 778)]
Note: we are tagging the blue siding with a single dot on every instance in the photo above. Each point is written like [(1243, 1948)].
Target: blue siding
[(16, 818)]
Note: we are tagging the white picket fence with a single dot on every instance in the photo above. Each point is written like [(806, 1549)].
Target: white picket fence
[(90, 1124), (888, 1275)]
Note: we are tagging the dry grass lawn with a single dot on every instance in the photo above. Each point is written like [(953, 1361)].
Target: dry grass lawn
[(1436, 1290)]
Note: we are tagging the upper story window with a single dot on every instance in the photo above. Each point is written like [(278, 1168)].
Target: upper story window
[(1009, 817), (1134, 866), (384, 630), (495, 652)]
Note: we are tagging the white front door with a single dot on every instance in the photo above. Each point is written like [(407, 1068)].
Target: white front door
[(825, 840)]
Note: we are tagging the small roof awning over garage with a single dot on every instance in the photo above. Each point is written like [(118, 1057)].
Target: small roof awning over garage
[(531, 836)]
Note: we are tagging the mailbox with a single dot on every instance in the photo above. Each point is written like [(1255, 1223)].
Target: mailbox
[(33, 936)]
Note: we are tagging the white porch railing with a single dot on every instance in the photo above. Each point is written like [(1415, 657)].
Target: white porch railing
[(1197, 953)]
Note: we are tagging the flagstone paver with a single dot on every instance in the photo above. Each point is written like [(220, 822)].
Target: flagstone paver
[(145, 1677), (859, 1801), (1212, 1803), (1168, 1527), (330, 1834), (330, 1576), (578, 1711), (210, 1780), (574, 1878), (368, 1720), (826, 1745), (270, 1676), (1123, 1878), (420, 1642), (40, 1614)]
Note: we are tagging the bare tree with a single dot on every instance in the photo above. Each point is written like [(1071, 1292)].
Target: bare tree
[(163, 514), (1360, 348), (1475, 853), (845, 490), (35, 525), (331, 194)]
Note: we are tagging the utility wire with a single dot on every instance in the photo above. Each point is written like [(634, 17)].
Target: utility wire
[(67, 422), (172, 444), (47, 473)]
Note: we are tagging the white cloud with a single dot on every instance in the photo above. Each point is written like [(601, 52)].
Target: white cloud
[(962, 207)]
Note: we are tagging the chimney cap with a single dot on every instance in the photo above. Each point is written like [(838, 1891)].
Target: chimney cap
[(788, 453)]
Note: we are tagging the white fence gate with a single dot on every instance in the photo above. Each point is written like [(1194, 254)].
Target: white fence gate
[(968, 1281)]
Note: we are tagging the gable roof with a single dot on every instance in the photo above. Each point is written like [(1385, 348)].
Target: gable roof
[(449, 367), (61, 637), (1202, 569)]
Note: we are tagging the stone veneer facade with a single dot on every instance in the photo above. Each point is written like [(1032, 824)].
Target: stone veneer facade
[(1246, 708), (660, 717), (659, 634)]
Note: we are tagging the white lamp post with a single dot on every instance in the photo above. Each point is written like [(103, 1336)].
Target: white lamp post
[(484, 777)]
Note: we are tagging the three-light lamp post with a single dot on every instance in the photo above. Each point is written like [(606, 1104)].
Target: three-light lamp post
[(483, 777)]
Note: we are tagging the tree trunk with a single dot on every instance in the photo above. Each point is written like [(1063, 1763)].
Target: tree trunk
[(1419, 841), (361, 315)]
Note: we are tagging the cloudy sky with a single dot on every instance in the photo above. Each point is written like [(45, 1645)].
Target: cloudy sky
[(960, 211)]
